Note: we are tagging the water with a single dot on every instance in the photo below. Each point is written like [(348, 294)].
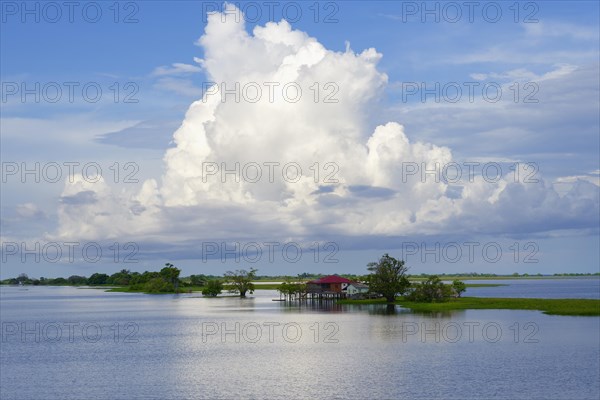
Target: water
[(576, 288), (164, 348)]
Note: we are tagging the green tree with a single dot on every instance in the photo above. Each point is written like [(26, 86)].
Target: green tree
[(198, 280), (433, 290), (97, 279), (388, 277), (138, 281), (57, 281), (171, 274), (22, 279), (290, 287), (241, 280), (158, 285), (213, 288), (77, 280), (459, 287), (120, 278)]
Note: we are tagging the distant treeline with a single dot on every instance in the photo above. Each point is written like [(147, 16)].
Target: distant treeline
[(170, 275), (127, 278), (165, 280)]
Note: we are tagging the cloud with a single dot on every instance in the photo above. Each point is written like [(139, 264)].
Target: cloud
[(554, 29), (592, 178), (29, 210), (522, 74), (146, 134), (552, 119), (184, 87), (80, 198), (176, 78), (176, 69), (371, 191), (354, 182)]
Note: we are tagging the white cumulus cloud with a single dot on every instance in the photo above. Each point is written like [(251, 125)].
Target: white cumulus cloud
[(303, 106)]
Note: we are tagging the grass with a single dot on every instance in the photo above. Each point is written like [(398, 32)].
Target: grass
[(578, 307)]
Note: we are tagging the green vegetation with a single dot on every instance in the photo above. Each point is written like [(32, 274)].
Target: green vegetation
[(170, 274), (165, 281), (98, 279), (575, 307), (158, 285), (198, 280), (213, 288), (241, 281), (191, 288), (261, 286), (388, 277), (290, 288), (459, 287), (433, 290), (121, 279)]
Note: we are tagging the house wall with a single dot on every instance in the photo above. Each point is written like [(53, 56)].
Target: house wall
[(353, 290)]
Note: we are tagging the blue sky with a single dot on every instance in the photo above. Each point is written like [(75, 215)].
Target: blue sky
[(151, 66)]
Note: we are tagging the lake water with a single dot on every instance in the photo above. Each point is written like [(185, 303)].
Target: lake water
[(576, 288), (70, 343)]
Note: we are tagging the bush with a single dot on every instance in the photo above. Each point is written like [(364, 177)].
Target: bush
[(433, 290), (77, 280), (98, 279), (213, 288), (138, 281), (289, 288), (158, 285), (198, 280), (120, 278), (458, 287)]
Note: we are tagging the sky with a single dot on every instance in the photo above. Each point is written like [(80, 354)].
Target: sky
[(299, 136)]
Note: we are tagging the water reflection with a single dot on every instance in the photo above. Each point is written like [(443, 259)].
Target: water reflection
[(377, 309)]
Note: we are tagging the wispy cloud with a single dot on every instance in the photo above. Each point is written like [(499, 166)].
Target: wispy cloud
[(555, 29), (184, 87), (176, 69)]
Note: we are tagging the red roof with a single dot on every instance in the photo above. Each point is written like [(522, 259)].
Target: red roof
[(331, 279)]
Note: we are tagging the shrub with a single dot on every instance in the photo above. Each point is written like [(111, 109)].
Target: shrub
[(158, 285), (213, 288), (433, 290)]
